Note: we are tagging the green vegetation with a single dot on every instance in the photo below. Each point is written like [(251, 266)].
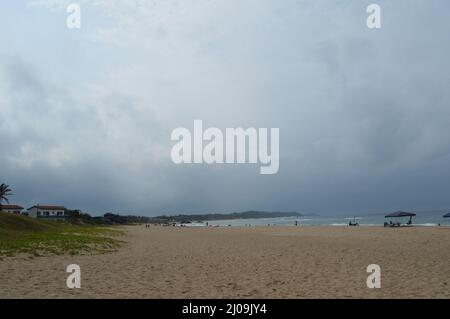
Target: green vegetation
[(33, 237), (77, 217)]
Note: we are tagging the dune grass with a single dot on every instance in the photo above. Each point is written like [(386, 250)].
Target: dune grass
[(34, 237)]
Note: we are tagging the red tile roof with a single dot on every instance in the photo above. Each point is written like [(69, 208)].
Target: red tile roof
[(47, 207), (12, 207)]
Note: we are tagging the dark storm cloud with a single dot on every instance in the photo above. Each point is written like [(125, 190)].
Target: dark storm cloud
[(363, 114)]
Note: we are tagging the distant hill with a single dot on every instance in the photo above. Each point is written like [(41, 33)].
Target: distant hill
[(206, 217)]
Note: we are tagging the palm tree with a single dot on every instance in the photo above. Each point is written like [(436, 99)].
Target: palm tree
[(5, 191)]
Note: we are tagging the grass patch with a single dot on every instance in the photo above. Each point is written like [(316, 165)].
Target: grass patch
[(34, 237)]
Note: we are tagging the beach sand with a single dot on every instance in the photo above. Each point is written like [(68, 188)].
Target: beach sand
[(234, 262)]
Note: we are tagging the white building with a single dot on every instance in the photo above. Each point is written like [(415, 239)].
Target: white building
[(13, 209), (52, 212)]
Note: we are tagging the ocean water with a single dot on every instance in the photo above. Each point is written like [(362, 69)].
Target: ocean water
[(423, 219)]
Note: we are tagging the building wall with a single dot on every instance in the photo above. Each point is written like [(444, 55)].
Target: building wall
[(46, 213), (12, 211), (32, 212)]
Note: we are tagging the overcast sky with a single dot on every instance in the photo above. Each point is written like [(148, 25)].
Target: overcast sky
[(364, 115)]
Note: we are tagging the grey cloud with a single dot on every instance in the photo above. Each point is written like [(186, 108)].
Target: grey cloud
[(363, 115)]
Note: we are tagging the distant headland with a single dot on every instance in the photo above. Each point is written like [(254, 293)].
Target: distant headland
[(187, 218)]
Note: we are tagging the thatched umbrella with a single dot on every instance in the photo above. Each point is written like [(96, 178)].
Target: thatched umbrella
[(447, 215), (401, 214)]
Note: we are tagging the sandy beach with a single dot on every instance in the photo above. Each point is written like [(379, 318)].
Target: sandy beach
[(233, 262)]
